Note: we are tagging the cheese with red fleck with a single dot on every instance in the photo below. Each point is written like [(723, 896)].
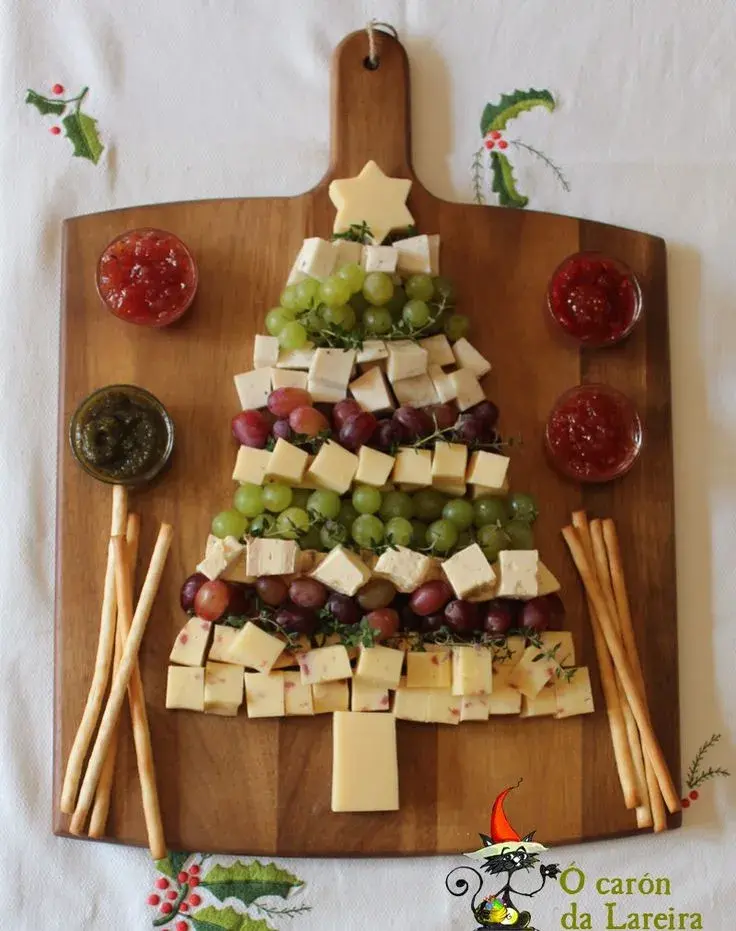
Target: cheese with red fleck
[(255, 649), (185, 688), (471, 670), (368, 697), (324, 664), (223, 689), (222, 639), (264, 694), (297, 697), (191, 643), (330, 696), (430, 670), (380, 666), (474, 707)]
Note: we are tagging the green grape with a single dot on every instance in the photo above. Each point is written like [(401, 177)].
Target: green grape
[(289, 299), (261, 524), (367, 530), (347, 514), (306, 293), (248, 499), (415, 314), (300, 497), (397, 504), (523, 507), (418, 534), (444, 289), (396, 304), (324, 504), (277, 318), (366, 499), (359, 303), (456, 326), (377, 320), (276, 497), (419, 288), (311, 540), (492, 539), (343, 315), (459, 512), (334, 291), (353, 275), (442, 536), (428, 504), (490, 510), (378, 288), (292, 523), (399, 531), (229, 523), (292, 336), (520, 534), (464, 538), (332, 534)]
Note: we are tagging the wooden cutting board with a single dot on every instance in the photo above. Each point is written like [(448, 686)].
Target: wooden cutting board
[(263, 786)]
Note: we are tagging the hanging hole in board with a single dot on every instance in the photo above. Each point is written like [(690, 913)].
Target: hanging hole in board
[(372, 64)]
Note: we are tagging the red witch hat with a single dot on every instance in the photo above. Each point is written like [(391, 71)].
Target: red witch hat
[(503, 837)]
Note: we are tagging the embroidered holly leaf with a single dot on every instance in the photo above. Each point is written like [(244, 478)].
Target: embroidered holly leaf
[(496, 116), (226, 919), (44, 105), (504, 183), (81, 130), (172, 864), (249, 881)]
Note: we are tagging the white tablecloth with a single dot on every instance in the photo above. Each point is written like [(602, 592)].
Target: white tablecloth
[(204, 99)]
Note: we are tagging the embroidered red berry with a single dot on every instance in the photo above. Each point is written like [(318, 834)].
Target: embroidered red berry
[(495, 134), (181, 926), (194, 869), (183, 907), (685, 802), (695, 795), (183, 877), (195, 899), (167, 908), (171, 895), (161, 883), (503, 144), (490, 144), (193, 881), (153, 899), (55, 130), (58, 89)]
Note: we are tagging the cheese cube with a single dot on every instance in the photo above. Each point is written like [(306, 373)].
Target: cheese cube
[(560, 642), (297, 697), (221, 643), (347, 252), (468, 570), (334, 467), (453, 488), (468, 357), (330, 696), (374, 467), (265, 352), (296, 358), (414, 255), (413, 466), (264, 694), (405, 359), (368, 697), (218, 551), (471, 670), (324, 664), (235, 572), (531, 673), (406, 568), (287, 462), (468, 391), (449, 462), (415, 392), (474, 707), (482, 491), (443, 385), (214, 562), (365, 765), (380, 666), (429, 670), (254, 648), (329, 374), (439, 350), (185, 688), (518, 573), (288, 378), (251, 465), (444, 707), (270, 557), (371, 391), (542, 706), (503, 698), (343, 571), (411, 704), (191, 643), (253, 388), (547, 584), (373, 350), (379, 259), (316, 258), (488, 469), (575, 696), (295, 276), (223, 689)]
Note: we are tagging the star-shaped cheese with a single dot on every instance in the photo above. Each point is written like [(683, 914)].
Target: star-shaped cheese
[(372, 198)]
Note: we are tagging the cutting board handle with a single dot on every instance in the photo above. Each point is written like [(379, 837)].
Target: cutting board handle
[(370, 107)]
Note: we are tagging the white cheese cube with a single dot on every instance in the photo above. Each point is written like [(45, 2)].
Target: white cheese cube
[(411, 704), (371, 391), (405, 359), (253, 388), (575, 696), (368, 697), (449, 462), (325, 664), (334, 467), (295, 276), (517, 571), (468, 570), (439, 350), (374, 467), (299, 359), (488, 469), (287, 462), (316, 258), (466, 386), (429, 670), (471, 670), (379, 259), (325, 394), (468, 357), (222, 640), (254, 648), (444, 386), (347, 252), (444, 707), (365, 766), (455, 489), (297, 697), (330, 696), (191, 643), (330, 373), (223, 689), (343, 571), (220, 555), (474, 707), (266, 556), (542, 706), (413, 467), (185, 688), (531, 673), (264, 694), (251, 465), (288, 378), (414, 255), (482, 491), (547, 584), (265, 352), (380, 666), (415, 392), (406, 568), (503, 698), (373, 350)]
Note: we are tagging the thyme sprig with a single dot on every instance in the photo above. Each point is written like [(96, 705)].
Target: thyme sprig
[(697, 776)]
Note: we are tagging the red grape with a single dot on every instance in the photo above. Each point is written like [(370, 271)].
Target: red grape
[(307, 420), (343, 411), (539, 614), (378, 593), (430, 597), (388, 433), (324, 408), (557, 611), (281, 430), (468, 429), (432, 623), (241, 599), (190, 588), (415, 422), (356, 432), (385, 621), (211, 601), (444, 414), (251, 428), (499, 616), (410, 620), (296, 620), (462, 616), (283, 401), (308, 593), (272, 590), (486, 412), (343, 608)]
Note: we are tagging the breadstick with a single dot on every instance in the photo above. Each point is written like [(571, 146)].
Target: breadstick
[(120, 683), (103, 659), (101, 808), (610, 538), (616, 722), (623, 667)]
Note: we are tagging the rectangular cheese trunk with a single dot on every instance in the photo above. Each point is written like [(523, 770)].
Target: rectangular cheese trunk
[(365, 770)]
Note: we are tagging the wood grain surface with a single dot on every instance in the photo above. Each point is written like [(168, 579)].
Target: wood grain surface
[(263, 786)]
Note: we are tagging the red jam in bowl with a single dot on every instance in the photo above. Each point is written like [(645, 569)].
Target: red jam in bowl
[(595, 299), (593, 434), (147, 276)]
